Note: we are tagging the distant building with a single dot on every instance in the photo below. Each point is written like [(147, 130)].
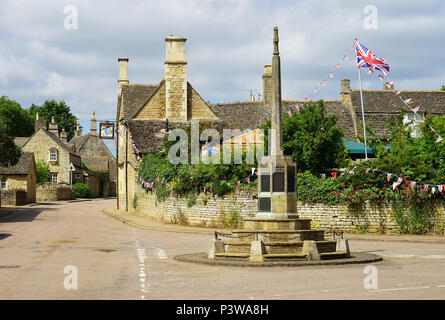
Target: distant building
[(97, 157), (64, 164), (22, 176)]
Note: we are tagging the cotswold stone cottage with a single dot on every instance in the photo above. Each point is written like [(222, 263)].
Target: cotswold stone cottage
[(97, 157), (144, 109), (22, 176), (47, 146)]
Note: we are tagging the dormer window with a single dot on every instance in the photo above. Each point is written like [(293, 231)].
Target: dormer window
[(53, 155)]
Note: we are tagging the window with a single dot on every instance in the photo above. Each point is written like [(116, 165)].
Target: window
[(3, 184), (413, 122), (53, 177), (53, 155), (77, 176)]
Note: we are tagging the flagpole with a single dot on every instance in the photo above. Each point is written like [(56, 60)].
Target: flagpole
[(363, 109)]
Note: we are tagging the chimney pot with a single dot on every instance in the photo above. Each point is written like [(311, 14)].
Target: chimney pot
[(93, 122), (123, 70)]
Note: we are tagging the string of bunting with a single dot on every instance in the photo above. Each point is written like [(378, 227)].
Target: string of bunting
[(390, 176)]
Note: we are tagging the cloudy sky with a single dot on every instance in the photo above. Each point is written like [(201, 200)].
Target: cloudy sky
[(229, 42)]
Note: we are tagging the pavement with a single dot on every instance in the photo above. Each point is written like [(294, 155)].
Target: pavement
[(45, 248)]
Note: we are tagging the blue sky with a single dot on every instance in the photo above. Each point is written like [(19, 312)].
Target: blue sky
[(229, 42)]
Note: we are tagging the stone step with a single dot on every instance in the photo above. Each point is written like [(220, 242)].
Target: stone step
[(284, 256), (237, 246), (273, 247), (333, 255), (279, 235), (233, 255), (277, 224)]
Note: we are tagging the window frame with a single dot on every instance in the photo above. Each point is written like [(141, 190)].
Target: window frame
[(51, 178), (53, 152), (4, 183)]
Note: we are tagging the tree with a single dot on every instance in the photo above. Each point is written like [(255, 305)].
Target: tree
[(17, 122), (313, 140), (10, 153), (443, 88), (43, 173), (61, 113)]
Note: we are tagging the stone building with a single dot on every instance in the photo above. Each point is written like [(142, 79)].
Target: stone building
[(64, 164), (97, 158), (144, 108), (22, 176)]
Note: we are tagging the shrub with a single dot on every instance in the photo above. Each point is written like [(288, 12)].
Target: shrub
[(81, 190), (43, 173), (414, 219), (135, 201)]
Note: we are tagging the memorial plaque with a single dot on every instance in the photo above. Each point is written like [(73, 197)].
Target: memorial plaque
[(264, 204), (291, 179), (265, 183), (278, 182)]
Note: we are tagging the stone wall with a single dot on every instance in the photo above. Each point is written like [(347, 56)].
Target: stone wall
[(369, 217), (13, 197), (54, 192), (209, 210)]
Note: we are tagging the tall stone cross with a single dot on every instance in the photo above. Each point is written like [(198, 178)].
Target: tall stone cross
[(276, 181), (277, 135)]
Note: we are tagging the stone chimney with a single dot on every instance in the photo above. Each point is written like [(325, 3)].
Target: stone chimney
[(345, 91), (385, 86), (39, 124), (78, 131), (175, 79), (93, 122), (63, 136), (267, 85), (53, 128), (123, 71)]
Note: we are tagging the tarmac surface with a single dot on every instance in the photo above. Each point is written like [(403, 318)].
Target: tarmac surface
[(124, 256)]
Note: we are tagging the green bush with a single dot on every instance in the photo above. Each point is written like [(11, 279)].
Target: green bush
[(81, 190), (43, 173), (413, 219)]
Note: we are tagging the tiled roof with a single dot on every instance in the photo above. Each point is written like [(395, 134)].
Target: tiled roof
[(148, 135), (22, 167), (386, 101), (135, 95), (20, 141)]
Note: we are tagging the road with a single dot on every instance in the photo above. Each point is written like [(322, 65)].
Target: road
[(117, 261)]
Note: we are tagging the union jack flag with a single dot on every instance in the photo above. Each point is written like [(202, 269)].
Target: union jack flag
[(366, 59)]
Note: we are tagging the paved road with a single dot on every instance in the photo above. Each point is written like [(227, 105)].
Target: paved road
[(117, 261)]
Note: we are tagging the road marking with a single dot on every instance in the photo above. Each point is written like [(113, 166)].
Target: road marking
[(434, 256), (142, 255), (396, 255), (161, 254), (400, 289)]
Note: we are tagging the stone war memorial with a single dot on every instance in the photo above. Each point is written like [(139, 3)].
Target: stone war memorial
[(276, 235)]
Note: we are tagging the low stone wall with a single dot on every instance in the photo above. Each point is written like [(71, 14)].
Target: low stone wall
[(212, 211), (54, 192), (13, 197), (208, 210)]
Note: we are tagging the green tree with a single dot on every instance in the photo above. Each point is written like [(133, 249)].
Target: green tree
[(9, 152), (43, 173), (443, 88), (61, 113), (17, 122), (312, 139)]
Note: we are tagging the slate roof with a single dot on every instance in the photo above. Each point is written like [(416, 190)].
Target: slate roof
[(20, 141), (56, 139), (250, 115), (148, 135), (76, 143), (386, 101), (22, 167), (134, 96)]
